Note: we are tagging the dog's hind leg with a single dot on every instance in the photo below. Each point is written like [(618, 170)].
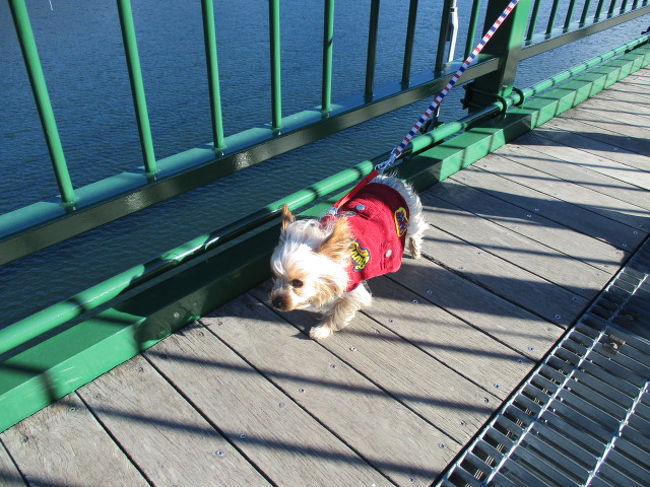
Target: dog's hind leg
[(341, 314), (416, 229)]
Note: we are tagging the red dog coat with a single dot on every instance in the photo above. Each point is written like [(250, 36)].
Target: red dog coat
[(378, 217)]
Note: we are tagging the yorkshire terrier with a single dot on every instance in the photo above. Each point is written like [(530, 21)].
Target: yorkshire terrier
[(323, 264)]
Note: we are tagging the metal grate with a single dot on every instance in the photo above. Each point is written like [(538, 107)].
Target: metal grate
[(583, 417)]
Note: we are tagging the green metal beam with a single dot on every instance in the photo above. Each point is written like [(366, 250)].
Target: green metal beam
[(42, 98), (371, 55), (64, 361), (276, 67)]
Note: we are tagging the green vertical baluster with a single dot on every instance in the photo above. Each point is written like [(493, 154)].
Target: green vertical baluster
[(471, 30), (585, 11), (442, 37), (328, 50), (372, 48), (210, 40), (42, 99), (408, 46), (612, 6), (533, 21), (137, 86), (623, 6), (551, 18), (599, 9), (276, 80), (569, 14)]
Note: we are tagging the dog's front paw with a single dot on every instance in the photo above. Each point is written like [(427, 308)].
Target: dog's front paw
[(320, 332)]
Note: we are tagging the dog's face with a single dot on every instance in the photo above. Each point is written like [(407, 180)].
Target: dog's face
[(309, 263)]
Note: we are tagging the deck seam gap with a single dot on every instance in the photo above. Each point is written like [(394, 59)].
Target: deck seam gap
[(205, 417), (576, 164), (496, 222), (385, 391), (470, 324), (481, 285), (435, 358), (15, 463), (607, 130), (114, 438), (586, 208), (486, 250), (490, 193), (542, 134), (290, 397)]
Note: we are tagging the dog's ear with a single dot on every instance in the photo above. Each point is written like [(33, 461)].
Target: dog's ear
[(287, 217), (336, 246)]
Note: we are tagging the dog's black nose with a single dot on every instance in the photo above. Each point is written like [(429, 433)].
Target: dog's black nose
[(277, 302)]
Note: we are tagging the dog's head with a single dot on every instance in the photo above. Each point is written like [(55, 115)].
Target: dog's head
[(309, 262)]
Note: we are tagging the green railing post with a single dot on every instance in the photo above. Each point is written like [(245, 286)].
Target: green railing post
[(42, 99), (372, 49), (137, 86), (506, 45), (328, 51), (471, 30), (442, 38), (210, 40), (408, 44), (276, 78)]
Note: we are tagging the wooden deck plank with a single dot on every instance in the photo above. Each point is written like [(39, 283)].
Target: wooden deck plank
[(615, 158), (635, 129), (548, 232), (413, 355), (388, 435), (503, 163), (272, 430), (563, 270), (536, 202), (615, 102), (577, 166), (169, 440), (9, 474), (607, 109), (538, 295), (632, 138), (509, 324), (64, 445)]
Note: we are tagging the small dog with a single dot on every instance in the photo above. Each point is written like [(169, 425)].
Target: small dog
[(323, 264)]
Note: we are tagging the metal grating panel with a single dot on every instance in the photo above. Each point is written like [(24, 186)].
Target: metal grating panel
[(583, 417)]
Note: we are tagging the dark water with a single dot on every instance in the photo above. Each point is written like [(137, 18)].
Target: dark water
[(81, 51)]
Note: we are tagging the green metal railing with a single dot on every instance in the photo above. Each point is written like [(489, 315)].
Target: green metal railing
[(54, 351), (26, 230)]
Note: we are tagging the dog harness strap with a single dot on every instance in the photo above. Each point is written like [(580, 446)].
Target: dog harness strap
[(373, 174)]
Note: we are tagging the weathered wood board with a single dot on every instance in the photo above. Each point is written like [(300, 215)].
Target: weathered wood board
[(169, 440), (63, 444), (418, 367), (503, 163), (563, 270), (389, 436), (504, 279), (617, 234), (531, 224), (579, 167), (282, 439), (9, 474)]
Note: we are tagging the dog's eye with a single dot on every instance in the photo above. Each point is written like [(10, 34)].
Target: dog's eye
[(296, 283)]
